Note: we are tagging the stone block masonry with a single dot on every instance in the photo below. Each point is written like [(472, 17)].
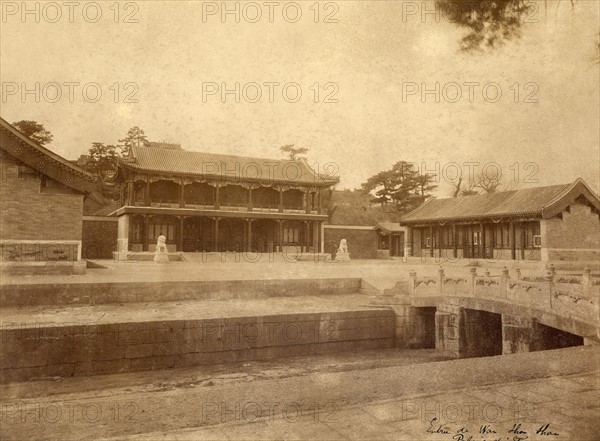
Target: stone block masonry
[(78, 350), (18, 295), (51, 212)]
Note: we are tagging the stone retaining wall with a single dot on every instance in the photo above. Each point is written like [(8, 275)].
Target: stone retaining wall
[(101, 293), (79, 350)]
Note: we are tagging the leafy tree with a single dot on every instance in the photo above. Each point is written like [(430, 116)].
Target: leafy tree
[(102, 159), (403, 186), (425, 184), (490, 22), (34, 131), (293, 152), (135, 137)]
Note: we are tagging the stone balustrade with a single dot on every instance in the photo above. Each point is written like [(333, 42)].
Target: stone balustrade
[(565, 295)]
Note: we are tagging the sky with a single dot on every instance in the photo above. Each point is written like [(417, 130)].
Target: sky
[(370, 61)]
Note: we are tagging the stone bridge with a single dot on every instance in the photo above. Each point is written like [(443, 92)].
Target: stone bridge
[(492, 314)]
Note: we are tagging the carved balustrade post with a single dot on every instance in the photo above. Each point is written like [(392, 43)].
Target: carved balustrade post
[(504, 282), (473, 272), (549, 286), (586, 283), (441, 280), (412, 282)]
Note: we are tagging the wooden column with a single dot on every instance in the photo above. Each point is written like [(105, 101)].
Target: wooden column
[(250, 204), (306, 234), (319, 201), (431, 241), (315, 231), (249, 248), (217, 198), (280, 222), (130, 192), (408, 243), (280, 200), (390, 244), (216, 234), (322, 237), (522, 240), (147, 200), (481, 241), (511, 240), (454, 242), (145, 232), (180, 235), (181, 194), (307, 206)]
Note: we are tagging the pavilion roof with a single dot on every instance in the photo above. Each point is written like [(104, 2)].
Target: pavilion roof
[(389, 227), (191, 163), (540, 202)]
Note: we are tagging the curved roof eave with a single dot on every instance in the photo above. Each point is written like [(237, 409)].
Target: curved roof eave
[(79, 179)]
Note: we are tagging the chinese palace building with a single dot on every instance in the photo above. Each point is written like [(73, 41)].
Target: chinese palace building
[(203, 202), (559, 222)]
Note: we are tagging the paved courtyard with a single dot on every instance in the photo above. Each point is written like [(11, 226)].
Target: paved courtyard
[(235, 266)]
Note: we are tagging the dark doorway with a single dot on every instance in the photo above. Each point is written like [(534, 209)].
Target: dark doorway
[(192, 234), (483, 333), (553, 338)]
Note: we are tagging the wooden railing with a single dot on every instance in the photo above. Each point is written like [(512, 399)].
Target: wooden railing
[(201, 205)]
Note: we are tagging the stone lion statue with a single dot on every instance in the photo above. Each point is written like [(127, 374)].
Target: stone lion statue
[(161, 244)]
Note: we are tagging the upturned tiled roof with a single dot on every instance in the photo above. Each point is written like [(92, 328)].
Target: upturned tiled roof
[(389, 227), (44, 160), (184, 162), (535, 202)]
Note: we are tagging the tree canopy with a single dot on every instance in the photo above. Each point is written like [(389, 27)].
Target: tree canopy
[(102, 159), (135, 136), (34, 131), (490, 23), (402, 186), (293, 152)]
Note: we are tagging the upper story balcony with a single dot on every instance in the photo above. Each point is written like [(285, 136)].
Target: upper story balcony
[(165, 193), (175, 178)]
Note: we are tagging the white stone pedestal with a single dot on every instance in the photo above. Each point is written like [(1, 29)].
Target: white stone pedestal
[(161, 256), (342, 257)]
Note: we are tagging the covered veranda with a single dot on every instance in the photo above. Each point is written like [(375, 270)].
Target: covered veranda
[(188, 230)]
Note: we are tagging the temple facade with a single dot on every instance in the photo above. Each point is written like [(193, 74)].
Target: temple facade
[(559, 222), (206, 202)]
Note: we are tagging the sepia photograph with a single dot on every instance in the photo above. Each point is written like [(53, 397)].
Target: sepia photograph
[(300, 220)]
